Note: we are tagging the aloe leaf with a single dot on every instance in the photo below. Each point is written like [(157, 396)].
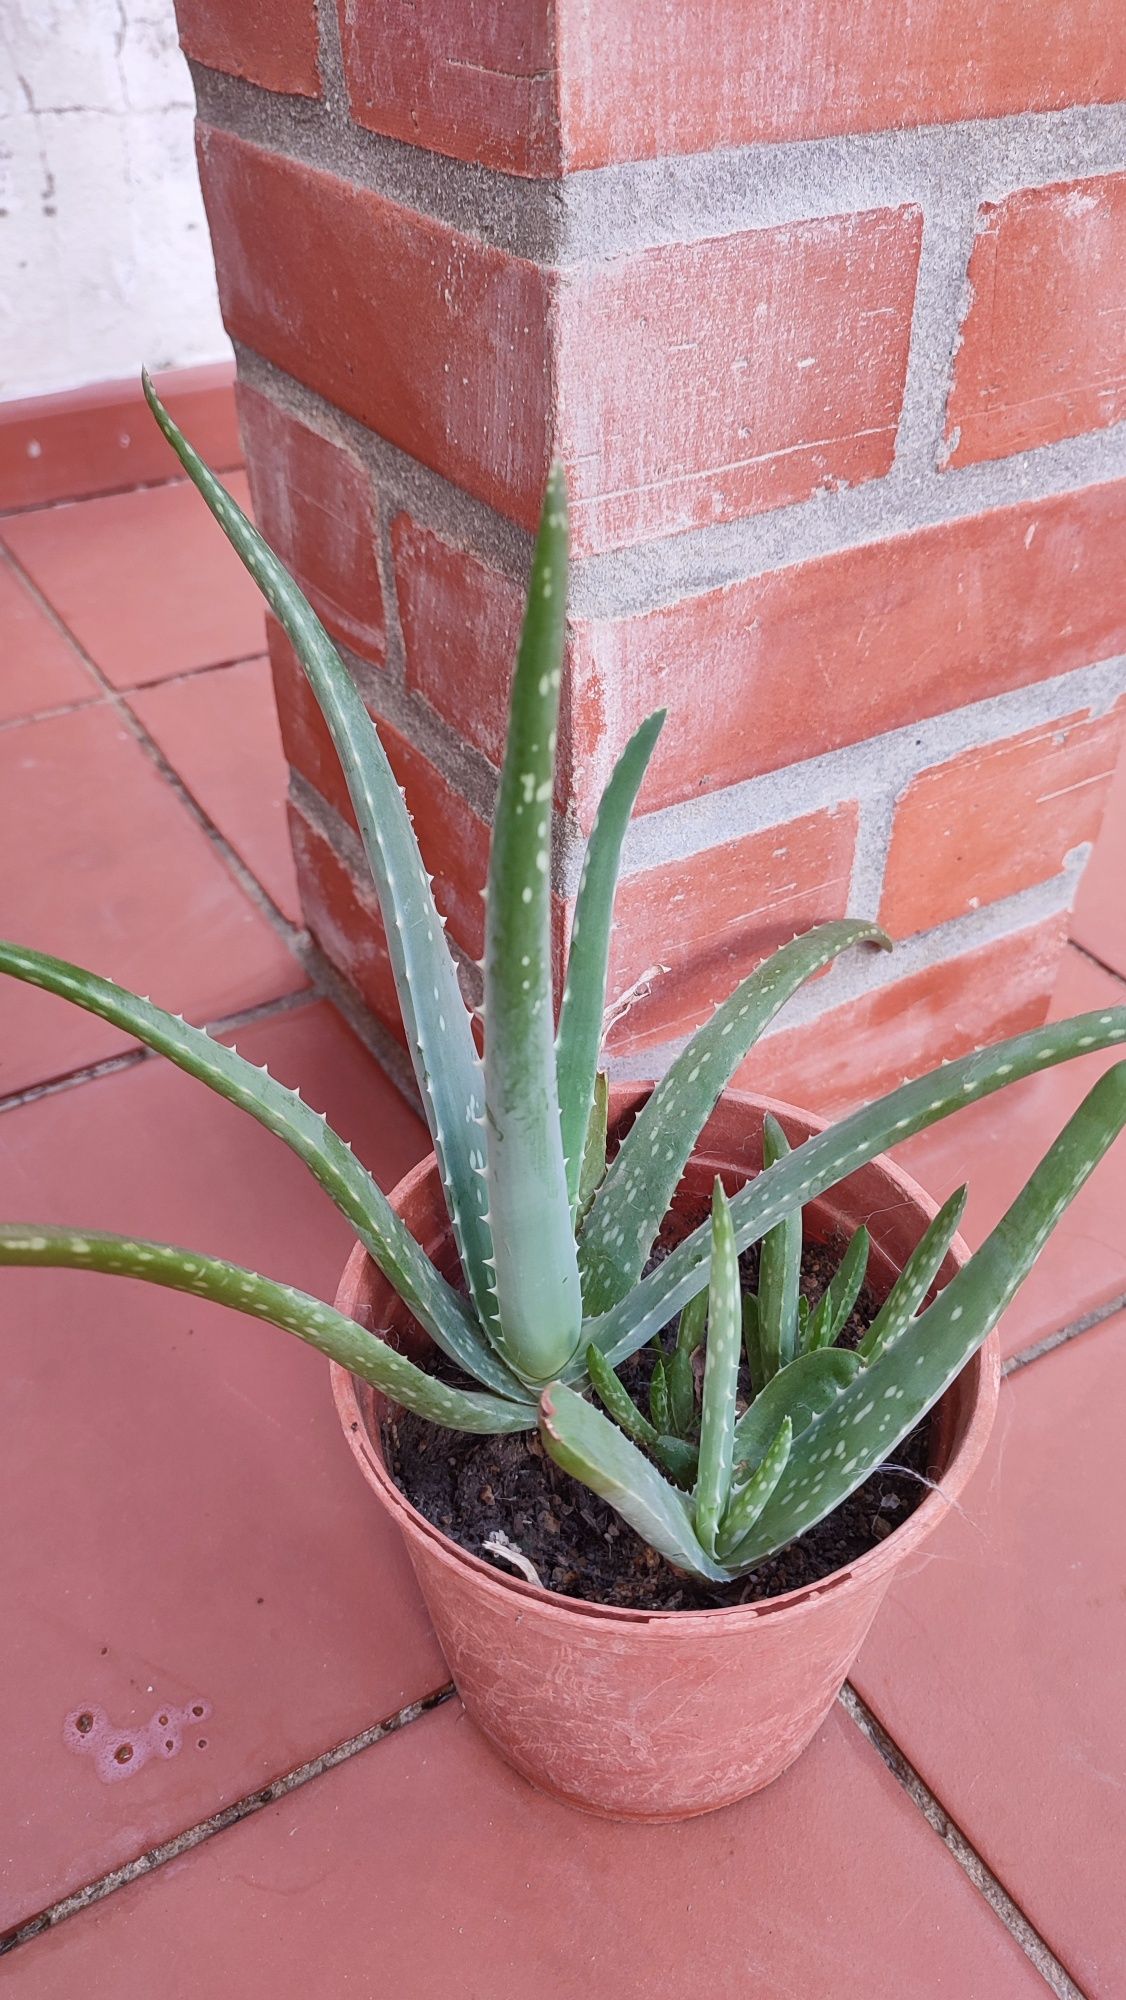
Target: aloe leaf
[(579, 1038), (615, 1397), (645, 1173), (594, 1151), (840, 1295), (678, 1458), (752, 1344), (779, 1271), (800, 1392), (830, 1156), (536, 1267), (836, 1453), (587, 1445), (747, 1504), (682, 1390), (660, 1407), (721, 1376), (434, 1013), (434, 1303), (693, 1321), (320, 1326), (915, 1279)]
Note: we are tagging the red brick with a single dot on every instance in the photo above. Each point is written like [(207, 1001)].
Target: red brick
[(1043, 353), (996, 820), (343, 915), (476, 82), (314, 503), (853, 1053), (700, 925), (706, 381), (434, 339), (461, 623), (639, 81), (453, 839), (271, 42), (807, 659)]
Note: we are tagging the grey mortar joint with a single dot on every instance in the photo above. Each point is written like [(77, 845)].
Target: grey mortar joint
[(865, 971), (872, 773), (330, 62), (404, 484), (519, 216), (680, 198), (875, 769), (629, 582), (608, 211)]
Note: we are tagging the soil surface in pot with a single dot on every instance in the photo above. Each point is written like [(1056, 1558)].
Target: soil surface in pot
[(478, 1488)]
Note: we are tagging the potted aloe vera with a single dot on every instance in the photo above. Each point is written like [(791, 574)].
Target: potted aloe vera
[(685, 1324)]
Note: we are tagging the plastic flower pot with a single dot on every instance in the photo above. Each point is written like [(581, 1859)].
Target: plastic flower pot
[(663, 1715)]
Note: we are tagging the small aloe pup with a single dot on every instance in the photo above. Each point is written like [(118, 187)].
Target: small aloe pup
[(552, 1238)]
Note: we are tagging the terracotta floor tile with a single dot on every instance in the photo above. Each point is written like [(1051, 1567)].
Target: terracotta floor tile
[(182, 1519), (146, 581), (38, 668), (1098, 921), (998, 1666), (115, 873), (995, 1145), (424, 1867), (219, 731)]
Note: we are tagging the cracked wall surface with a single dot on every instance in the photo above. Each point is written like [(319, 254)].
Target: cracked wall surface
[(105, 251)]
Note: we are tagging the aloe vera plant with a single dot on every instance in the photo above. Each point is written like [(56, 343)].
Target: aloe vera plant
[(553, 1235)]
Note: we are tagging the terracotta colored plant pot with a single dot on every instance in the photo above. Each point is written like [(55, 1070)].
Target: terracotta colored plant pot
[(662, 1715)]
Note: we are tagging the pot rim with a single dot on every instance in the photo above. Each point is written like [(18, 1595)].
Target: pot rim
[(983, 1370)]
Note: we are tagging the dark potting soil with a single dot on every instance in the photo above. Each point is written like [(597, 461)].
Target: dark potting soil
[(478, 1488)]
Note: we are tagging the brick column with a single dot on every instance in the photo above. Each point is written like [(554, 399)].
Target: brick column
[(823, 307)]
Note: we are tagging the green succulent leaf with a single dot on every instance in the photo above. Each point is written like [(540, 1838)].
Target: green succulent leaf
[(362, 1353), (678, 1458), (779, 1271), (693, 1322), (831, 1156), (915, 1279), (587, 1445), (434, 1303), (721, 1377), (538, 1299), (752, 1343), (748, 1501), (615, 1397), (828, 1321), (800, 1392), (682, 1390), (645, 1173), (594, 1151), (884, 1402), (660, 1406), (437, 1022), (579, 1038)]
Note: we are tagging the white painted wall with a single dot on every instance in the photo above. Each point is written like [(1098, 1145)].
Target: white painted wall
[(104, 254)]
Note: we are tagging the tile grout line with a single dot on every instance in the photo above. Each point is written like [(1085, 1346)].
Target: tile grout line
[(1022, 1931), (289, 934), (224, 1024), (1085, 949), (96, 697), (1062, 1336), (10, 514), (241, 1809)]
